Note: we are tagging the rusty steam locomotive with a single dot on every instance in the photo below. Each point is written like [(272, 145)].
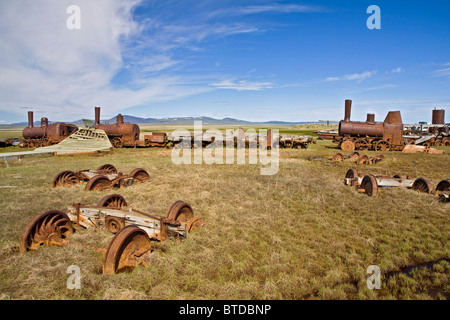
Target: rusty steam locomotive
[(45, 135), (391, 134), (371, 135)]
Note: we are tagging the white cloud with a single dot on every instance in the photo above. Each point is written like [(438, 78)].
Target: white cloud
[(397, 70), (442, 72), (359, 77), (243, 85)]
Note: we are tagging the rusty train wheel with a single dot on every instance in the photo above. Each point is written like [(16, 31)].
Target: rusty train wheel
[(46, 229), (337, 157), (351, 173), (362, 144), (117, 142), (382, 145), (354, 155), (140, 175), (442, 186), (348, 145), (127, 250), (422, 185), (114, 224), (446, 141), (65, 179), (99, 183), (180, 211), (370, 185), (106, 169), (113, 201), (363, 159)]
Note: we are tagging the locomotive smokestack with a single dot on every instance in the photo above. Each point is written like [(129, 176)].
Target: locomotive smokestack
[(348, 110), (119, 119), (438, 116), (30, 119), (97, 115), (370, 118), (44, 122)]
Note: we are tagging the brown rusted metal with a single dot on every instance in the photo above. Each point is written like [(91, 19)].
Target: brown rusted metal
[(438, 116), (121, 134), (49, 228), (104, 178), (131, 245), (127, 250), (47, 134), (365, 135)]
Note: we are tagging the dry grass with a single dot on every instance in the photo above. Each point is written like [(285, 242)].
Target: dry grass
[(300, 234)]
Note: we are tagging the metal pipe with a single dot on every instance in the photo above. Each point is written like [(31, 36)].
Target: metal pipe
[(119, 119), (438, 116), (30, 119), (97, 115), (348, 110), (370, 118)]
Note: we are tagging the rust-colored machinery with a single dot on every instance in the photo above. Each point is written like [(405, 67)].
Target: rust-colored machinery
[(104, 178), (45, 135), (120, 134), (373, 184), (371, 135), (134, 230)]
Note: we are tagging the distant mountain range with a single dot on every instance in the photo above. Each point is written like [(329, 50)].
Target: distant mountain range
[(179, 120)]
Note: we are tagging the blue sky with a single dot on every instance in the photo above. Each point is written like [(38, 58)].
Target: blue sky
[(251, 60)]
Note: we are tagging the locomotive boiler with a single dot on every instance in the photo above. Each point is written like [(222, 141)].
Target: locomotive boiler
[(120, 134), (371, 135), (45, 135)]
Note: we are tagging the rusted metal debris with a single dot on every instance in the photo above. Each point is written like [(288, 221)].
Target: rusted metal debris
[(411, 148), (134, 230), (371, 135), (45, 135), (357, 158), (372, 184), (104, 178)]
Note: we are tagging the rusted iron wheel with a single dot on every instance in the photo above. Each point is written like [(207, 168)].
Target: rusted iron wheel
[(65, 179), (348, 145), (362, 159), (337, 157), (114, 224), (362, 144), (113, 201), (382, 145), (127, 250), (117, 142), (446, 141), (98, 183), (180, 211), (422, 185), (442, 186), (354, 155), (106, 169), (351, 173), (140, 175), (46, 229), (370, 185)]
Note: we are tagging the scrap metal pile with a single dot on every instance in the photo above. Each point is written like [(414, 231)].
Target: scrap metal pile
[(104, 178), (372, 184), (134, 230)]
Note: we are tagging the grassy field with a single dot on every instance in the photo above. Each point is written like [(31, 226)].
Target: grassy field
[(299, 234)]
